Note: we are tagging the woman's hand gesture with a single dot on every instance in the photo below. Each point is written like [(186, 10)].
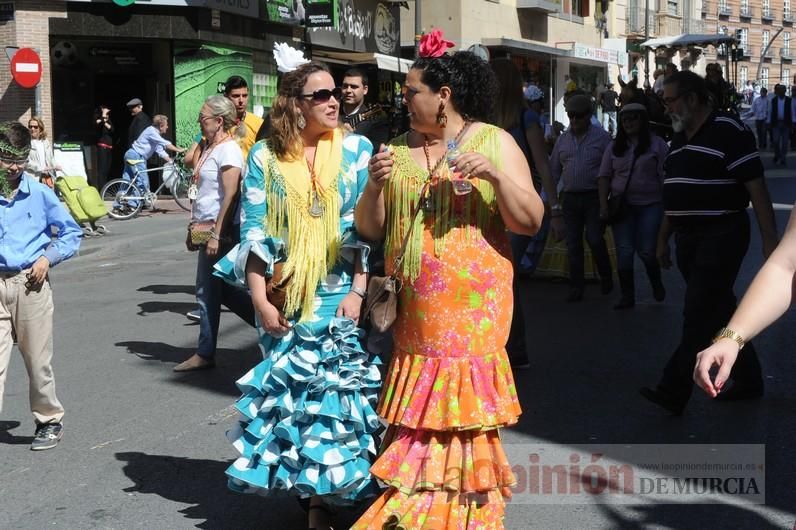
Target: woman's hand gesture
[(476, 165), (380, 167), (350, 307), (722, 353), (272, 320)]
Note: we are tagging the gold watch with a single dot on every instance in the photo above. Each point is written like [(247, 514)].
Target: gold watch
[(727, 333)]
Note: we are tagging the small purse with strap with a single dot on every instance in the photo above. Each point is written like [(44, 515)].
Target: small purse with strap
[(617, 203), (201, 232)]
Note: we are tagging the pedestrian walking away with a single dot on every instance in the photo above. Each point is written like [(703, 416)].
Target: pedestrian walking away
[(575, 162), (31, 214), (449, 386), (781, 117), (713, 170), (608, 99), (760, 111), (632, 174), (311, 400), (217, 179)]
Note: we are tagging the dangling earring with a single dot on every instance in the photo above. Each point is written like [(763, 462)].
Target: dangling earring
[(301, 122), (442, 118)]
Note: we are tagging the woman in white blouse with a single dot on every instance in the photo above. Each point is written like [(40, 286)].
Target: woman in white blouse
[(40, 160)]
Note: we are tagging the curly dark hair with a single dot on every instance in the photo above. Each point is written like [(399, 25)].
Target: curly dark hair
[(471, 80)]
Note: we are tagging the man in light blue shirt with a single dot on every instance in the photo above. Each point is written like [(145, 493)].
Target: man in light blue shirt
[(36, 233), (150, 141), (760, 111)]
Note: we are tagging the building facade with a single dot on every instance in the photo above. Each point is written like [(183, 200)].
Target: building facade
[(555, 43), (764, 29)]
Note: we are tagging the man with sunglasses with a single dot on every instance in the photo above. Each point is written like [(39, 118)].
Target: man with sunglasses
[(712, 172), (368, 120), (37, 234), (575, 161)]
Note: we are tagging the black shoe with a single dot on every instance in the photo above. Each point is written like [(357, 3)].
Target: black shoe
[(662, 399), (741, 392), (47, 436), (606, 285), (575, 294)]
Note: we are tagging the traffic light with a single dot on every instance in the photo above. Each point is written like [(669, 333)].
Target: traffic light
[(738, 34)]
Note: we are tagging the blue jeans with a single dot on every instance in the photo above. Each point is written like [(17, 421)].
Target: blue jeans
[(781, 136), (135, 171), (638, 234), (211, 293)]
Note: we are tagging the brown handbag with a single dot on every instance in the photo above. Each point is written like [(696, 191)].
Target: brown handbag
[(381, 304), (201, 232), (276, 287)]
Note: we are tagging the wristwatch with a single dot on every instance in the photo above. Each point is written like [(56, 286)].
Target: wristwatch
[(727, 333)]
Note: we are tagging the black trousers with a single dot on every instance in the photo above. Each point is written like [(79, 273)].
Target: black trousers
[(582, 210), (709, 257)]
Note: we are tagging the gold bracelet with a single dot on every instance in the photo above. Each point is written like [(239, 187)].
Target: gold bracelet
[(727, 333)]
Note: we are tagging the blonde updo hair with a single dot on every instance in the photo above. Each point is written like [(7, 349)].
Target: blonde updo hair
[(221, 107), (285, 134)]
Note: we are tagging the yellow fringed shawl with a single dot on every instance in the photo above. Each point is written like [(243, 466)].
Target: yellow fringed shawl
[(313, 243), (478, 216)]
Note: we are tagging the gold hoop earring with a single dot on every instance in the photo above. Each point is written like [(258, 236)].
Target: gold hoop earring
[(442, 117)]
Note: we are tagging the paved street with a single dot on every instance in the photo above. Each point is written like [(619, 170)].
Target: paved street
[(145, 448)]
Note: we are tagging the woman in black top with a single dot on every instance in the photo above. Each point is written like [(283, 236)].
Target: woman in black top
[(104, 134)]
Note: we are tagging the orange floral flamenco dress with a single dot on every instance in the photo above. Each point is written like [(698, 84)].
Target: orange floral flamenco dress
[(449, 387)]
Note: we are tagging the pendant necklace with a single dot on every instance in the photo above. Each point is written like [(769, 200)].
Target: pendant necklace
[(316, 209), (428, 205), (193, 188)]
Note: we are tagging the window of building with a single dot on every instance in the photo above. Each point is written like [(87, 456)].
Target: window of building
[(766, 37), (786, 9), (744, 37), (786, 42), (785, 78), (764, 78), (578, 8), (743, 76), (673, 7)]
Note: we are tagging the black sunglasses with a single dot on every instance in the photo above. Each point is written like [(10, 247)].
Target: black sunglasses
[(323, 95)]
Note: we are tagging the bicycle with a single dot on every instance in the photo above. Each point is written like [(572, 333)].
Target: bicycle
[(129, 200)]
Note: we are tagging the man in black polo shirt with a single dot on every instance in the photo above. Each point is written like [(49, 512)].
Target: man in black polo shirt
[(713, 170)]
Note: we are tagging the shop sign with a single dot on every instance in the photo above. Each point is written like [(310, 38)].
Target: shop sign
[(6, 11), (362, 26), (602, 55), (320, 13), (247, 8), (283, 11)]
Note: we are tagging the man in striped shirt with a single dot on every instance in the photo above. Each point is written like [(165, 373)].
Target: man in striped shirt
[(575, 161), (713, 170)]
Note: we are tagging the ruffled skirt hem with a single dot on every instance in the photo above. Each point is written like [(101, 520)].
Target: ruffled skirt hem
[(449, 393)]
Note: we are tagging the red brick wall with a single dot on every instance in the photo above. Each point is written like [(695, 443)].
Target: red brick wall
[(30, 29)]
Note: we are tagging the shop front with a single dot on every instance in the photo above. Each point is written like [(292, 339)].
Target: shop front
[(170, 56)]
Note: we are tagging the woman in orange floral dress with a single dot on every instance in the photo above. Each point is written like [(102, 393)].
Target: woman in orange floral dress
[(449, 386)]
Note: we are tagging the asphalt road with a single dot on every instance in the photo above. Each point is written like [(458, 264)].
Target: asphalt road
[(145, 448)]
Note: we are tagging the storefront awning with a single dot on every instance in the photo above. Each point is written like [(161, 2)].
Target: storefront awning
[(687, 41), (524, 45), (383, 62)]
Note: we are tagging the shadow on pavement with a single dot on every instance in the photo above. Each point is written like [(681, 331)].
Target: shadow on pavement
[(7, 438), (230, 364), (179, 308), (682, 517), (203, 485), (168, 289)]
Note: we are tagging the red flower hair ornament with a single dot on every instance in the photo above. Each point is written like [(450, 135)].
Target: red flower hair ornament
[(433, 44)]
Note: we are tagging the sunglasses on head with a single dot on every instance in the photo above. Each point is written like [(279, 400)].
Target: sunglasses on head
[(324, 94), (577, 115)]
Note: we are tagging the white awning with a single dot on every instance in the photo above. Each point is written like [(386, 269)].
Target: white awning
[(383, 62), (687, 41)]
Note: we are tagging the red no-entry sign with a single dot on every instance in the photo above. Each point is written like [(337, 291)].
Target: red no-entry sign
[(26, 67)]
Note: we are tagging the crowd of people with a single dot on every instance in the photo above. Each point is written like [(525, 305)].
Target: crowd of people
[(288, 229)]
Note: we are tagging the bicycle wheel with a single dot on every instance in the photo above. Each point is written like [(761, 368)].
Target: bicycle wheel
[(122, 193), (179, 190)]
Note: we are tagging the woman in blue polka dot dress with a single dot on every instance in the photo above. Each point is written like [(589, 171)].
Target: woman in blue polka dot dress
[(307, 411)]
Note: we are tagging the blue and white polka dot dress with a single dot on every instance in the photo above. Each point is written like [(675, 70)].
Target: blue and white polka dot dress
[(308, 409)]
